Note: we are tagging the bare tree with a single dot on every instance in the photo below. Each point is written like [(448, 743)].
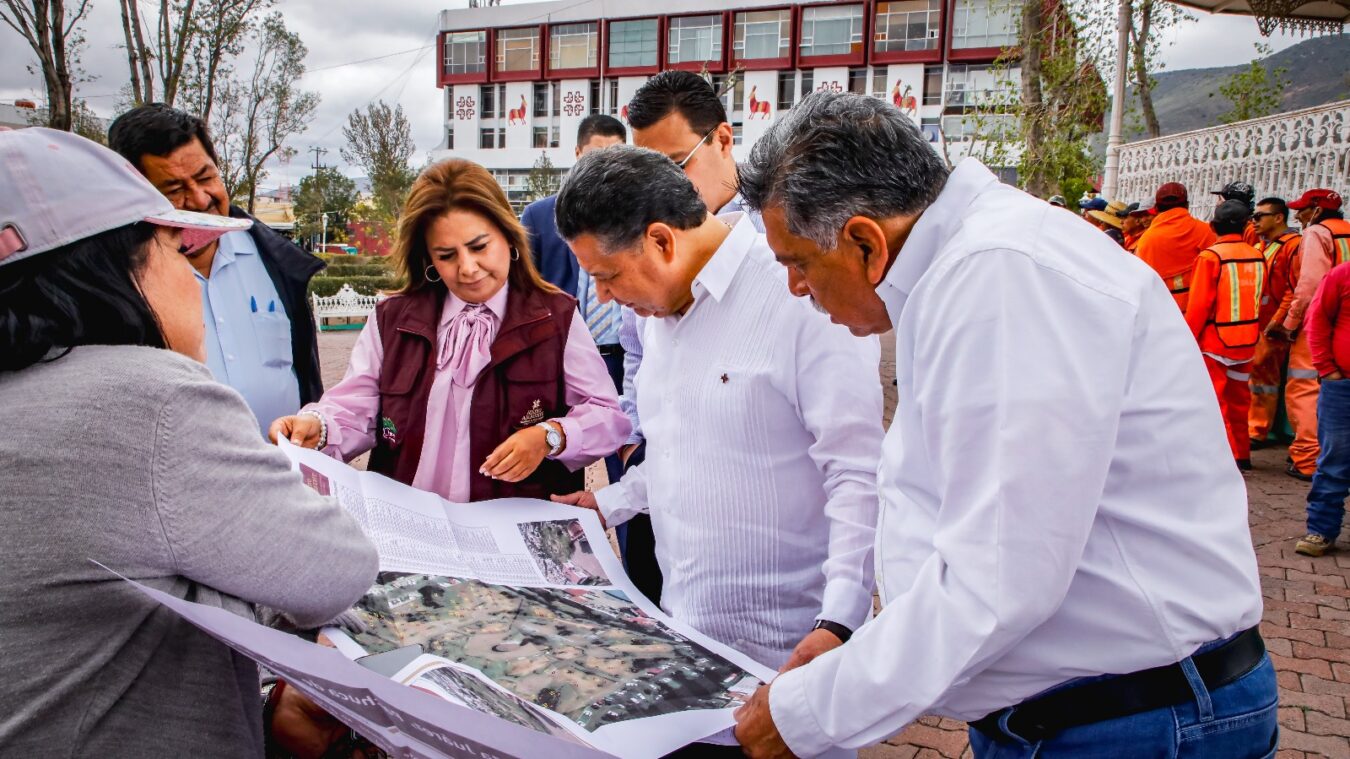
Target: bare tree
[(162, 56), (221, 28), (54, 35), (1148, 22), (380, 141), (260, 109)]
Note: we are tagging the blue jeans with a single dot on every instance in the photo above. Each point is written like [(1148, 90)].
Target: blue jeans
[(1331, 481), (1237, 721)]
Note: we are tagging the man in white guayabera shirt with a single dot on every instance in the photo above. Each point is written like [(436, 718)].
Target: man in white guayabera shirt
[(1062, 551), (764, 418)]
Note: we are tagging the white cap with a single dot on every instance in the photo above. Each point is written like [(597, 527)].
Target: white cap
[(57, 188)]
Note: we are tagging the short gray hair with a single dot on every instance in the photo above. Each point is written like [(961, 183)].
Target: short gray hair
[(834, 156), (616, 193)]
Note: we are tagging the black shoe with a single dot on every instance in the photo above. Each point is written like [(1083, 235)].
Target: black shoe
[(1261, 444), (1293, 471), (1244, 464)]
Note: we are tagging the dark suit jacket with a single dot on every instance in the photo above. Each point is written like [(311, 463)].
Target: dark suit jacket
[(555, 261), (290, 269)]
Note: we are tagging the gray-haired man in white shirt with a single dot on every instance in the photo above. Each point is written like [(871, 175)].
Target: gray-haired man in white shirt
[(1063, 551), (763, 418)]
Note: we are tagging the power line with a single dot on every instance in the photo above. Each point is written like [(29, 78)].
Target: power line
[(368, 60)]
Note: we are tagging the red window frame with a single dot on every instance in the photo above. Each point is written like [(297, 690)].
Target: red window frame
[(763, 64), (964, 54), (633, 70), (520, 76), (908, 56), (847, 59), (480, 77), (714, 67), (574, 73)]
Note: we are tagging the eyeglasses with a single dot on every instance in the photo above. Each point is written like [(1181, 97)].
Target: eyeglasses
[(700, 143), (1259, 215)]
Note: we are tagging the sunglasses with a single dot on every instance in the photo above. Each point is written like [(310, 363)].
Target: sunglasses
[(698, 145), (1259, 215)]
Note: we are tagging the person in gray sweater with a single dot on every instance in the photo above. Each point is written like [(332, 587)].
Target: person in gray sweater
[(119, 448)]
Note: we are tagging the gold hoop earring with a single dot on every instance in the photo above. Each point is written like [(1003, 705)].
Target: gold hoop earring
[(427, 273), (515, 254)]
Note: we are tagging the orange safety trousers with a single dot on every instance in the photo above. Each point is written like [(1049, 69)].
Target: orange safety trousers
[(1267, 376), (1235, 400), (1300, 403)]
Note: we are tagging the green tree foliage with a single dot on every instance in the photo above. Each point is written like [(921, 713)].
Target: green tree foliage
[(328, 191), (543, 179), (1255, 91), (380, 141)]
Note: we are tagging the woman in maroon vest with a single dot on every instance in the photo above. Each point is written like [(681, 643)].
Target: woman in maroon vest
[(475, 381)]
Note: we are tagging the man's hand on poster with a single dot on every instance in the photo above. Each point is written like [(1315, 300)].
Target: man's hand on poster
[(814, 644), (755, 730), (581, 499)]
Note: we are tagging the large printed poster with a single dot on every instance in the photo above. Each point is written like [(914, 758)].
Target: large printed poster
[(516, 610)]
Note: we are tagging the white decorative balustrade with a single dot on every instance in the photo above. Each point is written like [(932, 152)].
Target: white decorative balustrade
[(1280, 155), (345, 303)]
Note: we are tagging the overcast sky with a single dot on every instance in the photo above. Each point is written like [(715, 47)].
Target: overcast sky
[(343, 34)]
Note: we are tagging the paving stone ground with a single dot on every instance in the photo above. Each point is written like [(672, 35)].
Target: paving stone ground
[(1306, 623)]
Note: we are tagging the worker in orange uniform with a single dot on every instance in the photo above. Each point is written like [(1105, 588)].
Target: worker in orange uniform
[(1280, 246), (1173, 240), (1326, 243), (1135, 222), (1223, 312), (1247, 194)]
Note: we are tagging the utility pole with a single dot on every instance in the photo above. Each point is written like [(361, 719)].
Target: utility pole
[(318, 152)]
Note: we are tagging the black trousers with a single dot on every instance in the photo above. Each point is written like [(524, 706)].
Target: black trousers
[(706, 751), (639, 553)]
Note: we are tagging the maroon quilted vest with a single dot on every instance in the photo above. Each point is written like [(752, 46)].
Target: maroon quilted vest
[(522, 385)]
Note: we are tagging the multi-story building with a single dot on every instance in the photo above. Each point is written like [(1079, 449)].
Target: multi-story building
[(519, 78)]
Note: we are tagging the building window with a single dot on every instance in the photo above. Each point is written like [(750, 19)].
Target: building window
[(731, 97), (487, 138), (614, 97), (595, 96), (787, 83), (464, 52), (737, 133), (857, 81), (487, 96), (540, 137), (808, 83), (932, 85), (762, 34), (978, 85), (554, 133), (983, 23), (879, 82), (907, 25), (632, 43), (450, 137), (518, 49), (832, 30), (695, 39), (540, 99), (557, 99), (931, 128), (573, 46)]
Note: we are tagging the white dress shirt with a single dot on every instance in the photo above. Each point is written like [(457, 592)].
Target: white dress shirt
[(1058, 499), (764, 424)]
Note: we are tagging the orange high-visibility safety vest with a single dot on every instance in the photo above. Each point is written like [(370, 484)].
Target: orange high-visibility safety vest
[(1340, 239), (1242, 278)]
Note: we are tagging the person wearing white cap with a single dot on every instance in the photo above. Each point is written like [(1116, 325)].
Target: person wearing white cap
[(120, 448)]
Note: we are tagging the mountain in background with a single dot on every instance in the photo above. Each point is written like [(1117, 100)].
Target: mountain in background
[(1318, 72)]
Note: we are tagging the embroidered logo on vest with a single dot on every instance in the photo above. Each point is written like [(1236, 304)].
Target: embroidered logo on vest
[(387, 429), (534, 416)]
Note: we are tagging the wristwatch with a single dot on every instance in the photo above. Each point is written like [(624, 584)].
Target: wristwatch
[(840, 632), (553, 437)]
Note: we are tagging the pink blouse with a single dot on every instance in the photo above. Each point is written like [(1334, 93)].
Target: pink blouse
[(595, 426)]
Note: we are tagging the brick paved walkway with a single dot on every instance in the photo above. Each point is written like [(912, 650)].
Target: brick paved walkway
[(1307, 615)]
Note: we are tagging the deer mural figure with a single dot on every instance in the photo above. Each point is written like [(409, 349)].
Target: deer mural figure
[(517, 115), (758, 106), (905, 101)]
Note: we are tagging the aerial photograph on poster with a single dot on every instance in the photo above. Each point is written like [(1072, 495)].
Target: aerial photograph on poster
[(562, 552), (590, 655)]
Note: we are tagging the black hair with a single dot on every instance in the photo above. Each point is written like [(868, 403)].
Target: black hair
[(1280, 207), (157, 129), (1327, 213), (616, 193), (600, 125), (83, 293), (682, 92), (1230, 217)]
